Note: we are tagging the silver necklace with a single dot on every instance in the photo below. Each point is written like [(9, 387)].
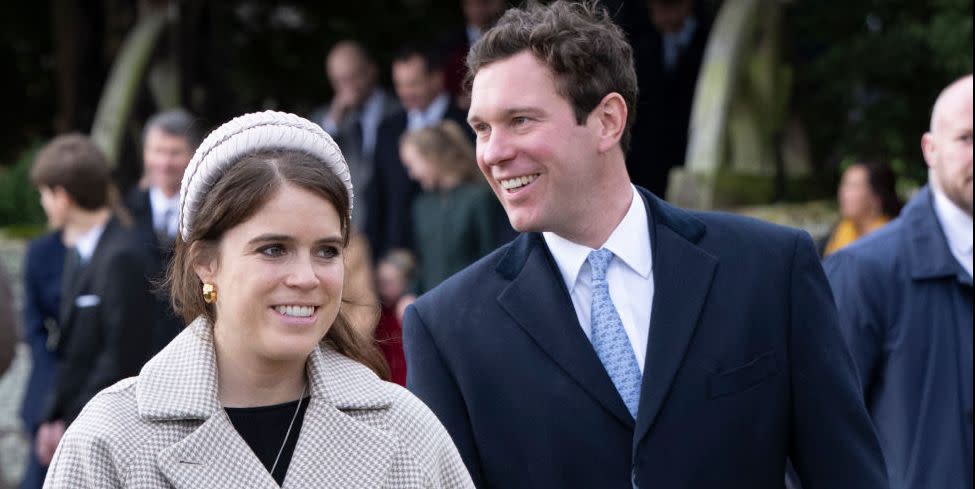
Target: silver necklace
[(290, 425)]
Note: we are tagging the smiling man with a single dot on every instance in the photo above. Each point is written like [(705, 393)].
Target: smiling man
[(620, 341)]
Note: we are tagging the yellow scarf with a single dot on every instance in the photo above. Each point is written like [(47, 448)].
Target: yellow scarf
[(846, 233)]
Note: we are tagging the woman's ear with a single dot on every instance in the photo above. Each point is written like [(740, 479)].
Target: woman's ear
[(204, 262)]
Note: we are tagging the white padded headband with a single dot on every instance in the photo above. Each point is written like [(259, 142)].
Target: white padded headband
[(248, 134)]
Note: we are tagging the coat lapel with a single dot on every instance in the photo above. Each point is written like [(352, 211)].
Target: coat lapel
[(682, 276), (213, 455), (83, 278), (539, 302), (335, 450)]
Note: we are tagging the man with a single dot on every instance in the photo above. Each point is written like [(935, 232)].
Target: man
[(106, 307), (419, 83), (668, 54), (43, 264), (479, 16), (904, 294), (353, 116), (169, 140), (620, 341)]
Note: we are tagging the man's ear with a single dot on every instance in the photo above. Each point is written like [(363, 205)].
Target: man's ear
[(610, 116), (928, 148), (205, 262)]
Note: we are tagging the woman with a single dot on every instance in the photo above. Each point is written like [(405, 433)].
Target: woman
[(867, 200), (269, 385), (456, 218)]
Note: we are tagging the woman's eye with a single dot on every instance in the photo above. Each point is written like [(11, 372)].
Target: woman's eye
[(328, 252), (271, 250)]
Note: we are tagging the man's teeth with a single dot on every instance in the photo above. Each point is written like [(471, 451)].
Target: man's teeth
[(513, 183), (295, 311)]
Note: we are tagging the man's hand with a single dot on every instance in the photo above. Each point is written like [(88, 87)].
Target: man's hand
[(342, 104)]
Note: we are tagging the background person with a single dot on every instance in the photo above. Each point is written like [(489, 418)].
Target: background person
[(867, 200), (904, 295), (455, 217)]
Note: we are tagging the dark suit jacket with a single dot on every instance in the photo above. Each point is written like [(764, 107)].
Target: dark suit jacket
[(167, 323), (43, 264), (905, 308), (744, 367), (106, 322), (391, 226)]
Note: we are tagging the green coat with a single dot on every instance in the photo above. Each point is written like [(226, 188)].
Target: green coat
[(452, 229)]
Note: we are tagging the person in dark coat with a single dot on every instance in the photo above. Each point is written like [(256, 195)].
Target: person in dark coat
[(668, 52), (43, 263), (106, 311), (353, 116), (169, 139), (621, 342), (479, 16), (904, 295), (418, 80)]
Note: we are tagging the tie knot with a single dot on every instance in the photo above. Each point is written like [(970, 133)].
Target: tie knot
[(599, 261)]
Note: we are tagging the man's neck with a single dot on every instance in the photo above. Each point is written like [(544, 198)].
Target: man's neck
[(81, 221), (605, 210)]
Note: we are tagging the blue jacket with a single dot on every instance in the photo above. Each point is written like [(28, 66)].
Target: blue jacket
[(744, 367), (43, 264), (905, 306)]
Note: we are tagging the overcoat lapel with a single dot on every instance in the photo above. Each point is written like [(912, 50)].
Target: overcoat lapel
[(213, 455), (682, 275), (84, 278), (539, 302)]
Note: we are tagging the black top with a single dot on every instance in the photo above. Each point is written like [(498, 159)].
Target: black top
[(264, 427)]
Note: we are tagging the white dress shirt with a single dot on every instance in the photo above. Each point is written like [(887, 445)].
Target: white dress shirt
[(433, 114), (165, 211), (629, 275), (87, 243), (957, 226)]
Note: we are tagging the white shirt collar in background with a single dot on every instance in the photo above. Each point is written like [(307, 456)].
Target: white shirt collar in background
[(957, 226)]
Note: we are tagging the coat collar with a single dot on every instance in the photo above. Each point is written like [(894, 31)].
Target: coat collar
[(539, 302), (928, 252), (181, 381), (180, 384)]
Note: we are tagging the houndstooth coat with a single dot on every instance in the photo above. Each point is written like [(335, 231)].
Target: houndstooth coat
[(166, 428)]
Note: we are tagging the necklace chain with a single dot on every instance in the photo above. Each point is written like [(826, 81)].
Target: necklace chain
[(287, 434)]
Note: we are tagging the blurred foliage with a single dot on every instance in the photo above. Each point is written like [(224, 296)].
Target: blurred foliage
[(19, 201), (868, 71)]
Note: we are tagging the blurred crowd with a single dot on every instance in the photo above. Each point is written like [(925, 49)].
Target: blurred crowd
[(422, 212)]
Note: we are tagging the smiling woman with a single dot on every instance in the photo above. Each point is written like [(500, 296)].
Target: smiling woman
[(269, 385)]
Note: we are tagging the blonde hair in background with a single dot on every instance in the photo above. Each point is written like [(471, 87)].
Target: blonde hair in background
[(447, 147)]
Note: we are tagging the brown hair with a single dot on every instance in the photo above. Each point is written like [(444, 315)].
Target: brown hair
[(447, 146), (74, 163), (587, 53), (247, 186)]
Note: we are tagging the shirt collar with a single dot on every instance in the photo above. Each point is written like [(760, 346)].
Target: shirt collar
[(956, 224), (630, 242), (160, 202), (434, 112), (87, 242)]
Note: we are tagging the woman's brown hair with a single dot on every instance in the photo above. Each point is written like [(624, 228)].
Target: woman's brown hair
[(240, 193)]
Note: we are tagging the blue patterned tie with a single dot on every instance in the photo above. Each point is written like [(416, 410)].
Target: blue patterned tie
[(609, 339)]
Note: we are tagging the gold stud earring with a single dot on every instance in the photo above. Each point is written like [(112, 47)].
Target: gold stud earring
[(209, 293)]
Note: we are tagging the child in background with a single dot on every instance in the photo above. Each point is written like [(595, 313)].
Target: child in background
[(455, 219), (393, 276)]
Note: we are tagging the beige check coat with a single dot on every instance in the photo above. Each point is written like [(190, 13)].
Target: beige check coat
[(166, 428)]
